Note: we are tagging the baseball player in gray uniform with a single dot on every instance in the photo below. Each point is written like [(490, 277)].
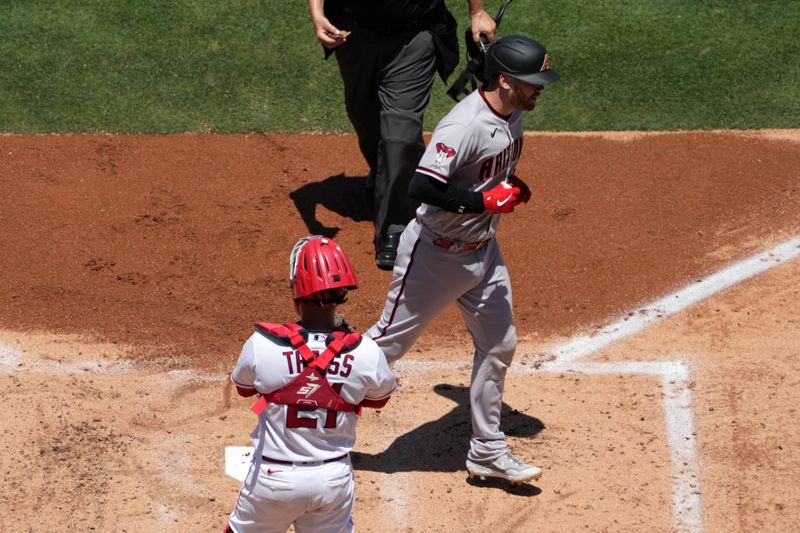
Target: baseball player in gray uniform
[(449, 253), (313, 378)]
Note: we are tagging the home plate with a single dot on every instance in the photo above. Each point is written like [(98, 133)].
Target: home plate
[(237, 461)]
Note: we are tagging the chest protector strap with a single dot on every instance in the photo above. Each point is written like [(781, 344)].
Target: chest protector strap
[(310, 389)]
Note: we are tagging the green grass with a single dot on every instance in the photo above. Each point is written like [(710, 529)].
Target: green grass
[(672, 65), (254, 65)]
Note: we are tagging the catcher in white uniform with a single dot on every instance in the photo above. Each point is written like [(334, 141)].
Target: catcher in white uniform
[(449, 253), (313, 378)]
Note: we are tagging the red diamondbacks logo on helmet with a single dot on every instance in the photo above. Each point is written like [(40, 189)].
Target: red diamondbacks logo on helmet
[(443, 152), (545, 63)]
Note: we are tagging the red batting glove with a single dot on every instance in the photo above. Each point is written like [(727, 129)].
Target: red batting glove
[(525, 191), (501, 198)]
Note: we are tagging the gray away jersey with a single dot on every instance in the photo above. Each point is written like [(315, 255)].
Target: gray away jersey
[(473, 147)]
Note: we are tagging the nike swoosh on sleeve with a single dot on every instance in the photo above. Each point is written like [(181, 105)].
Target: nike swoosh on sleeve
[(502, 202)]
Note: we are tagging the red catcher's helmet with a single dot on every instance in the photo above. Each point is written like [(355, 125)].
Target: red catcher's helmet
[(319, 270)]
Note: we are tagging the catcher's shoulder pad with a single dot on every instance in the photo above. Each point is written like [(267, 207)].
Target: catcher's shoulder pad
[(349, 340), (282, 333)]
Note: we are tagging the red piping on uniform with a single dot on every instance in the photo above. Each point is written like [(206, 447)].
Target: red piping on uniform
[(432, 173), (242, 385), (374, 404), (246, 392), (493, 110), (402, 288), (377, 403)]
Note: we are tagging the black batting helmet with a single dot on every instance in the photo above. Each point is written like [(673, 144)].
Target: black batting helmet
[(521, 58)]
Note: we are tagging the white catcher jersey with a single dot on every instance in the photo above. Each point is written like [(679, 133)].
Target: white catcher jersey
[(291, 433), (473, 147)]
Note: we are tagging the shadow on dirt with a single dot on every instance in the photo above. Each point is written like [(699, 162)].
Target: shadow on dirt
[(347, 197), (442, 445)]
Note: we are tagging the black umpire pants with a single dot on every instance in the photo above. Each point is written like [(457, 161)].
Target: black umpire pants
[(387, 85)]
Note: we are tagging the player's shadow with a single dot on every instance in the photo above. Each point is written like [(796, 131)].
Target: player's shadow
[(441, 445), (347, 197)]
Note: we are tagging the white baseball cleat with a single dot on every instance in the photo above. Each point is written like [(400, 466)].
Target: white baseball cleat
[(506, 467)]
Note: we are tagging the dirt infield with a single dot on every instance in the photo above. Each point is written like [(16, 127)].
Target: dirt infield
[(133, 267)]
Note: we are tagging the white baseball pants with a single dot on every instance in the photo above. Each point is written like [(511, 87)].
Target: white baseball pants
[(315, 498)]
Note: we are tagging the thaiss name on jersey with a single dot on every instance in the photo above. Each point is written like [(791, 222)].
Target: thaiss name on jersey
[(340, 365), (494, 165)]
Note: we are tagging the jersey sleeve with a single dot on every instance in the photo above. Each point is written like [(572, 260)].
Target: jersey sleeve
[(449, 147), (380, 384), (244, 373)]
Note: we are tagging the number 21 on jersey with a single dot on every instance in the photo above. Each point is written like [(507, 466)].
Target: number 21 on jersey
[(295, 420)]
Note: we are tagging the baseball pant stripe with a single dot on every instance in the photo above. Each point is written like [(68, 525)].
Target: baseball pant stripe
[(398, 299)]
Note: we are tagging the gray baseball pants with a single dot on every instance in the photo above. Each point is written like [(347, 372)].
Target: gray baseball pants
[(426, 279)]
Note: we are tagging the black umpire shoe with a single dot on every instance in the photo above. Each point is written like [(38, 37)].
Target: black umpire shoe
[(387, 251)]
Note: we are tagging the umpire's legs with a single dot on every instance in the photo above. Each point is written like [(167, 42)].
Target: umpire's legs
[(404, 90), (359, 65)]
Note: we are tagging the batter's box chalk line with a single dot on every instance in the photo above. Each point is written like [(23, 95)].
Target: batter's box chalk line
[(638, 319), (675, 378), (8, 358)]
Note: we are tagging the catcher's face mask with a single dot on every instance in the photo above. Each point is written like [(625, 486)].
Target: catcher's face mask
[(325, 299)]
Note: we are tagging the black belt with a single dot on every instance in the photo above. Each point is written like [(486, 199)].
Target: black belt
[(280, 462), (458, 245)]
